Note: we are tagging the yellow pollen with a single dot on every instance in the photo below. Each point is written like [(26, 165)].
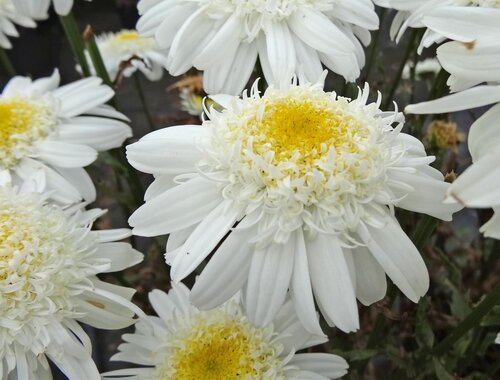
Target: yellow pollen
[(128, 35), (22, 122), (294, 125), (220, 346)]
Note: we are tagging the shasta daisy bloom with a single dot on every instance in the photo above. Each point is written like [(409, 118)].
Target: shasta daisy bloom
[(49, 133), (38, 9), (304, 185), (126, 48), (186, 343), (49, 261), (9, 17), (444, 19), (224, 38)]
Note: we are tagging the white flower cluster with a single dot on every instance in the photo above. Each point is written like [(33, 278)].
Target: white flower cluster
[(288, 196)]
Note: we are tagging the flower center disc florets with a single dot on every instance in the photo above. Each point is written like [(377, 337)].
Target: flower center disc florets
[(41, 258), (301, 150), (219, 345), (22, 122), (129, 41)]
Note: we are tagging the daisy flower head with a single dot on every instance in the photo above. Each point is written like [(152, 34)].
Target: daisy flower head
[(9, 17), (443, 19), (38, 9), (224, 38), (125, 52), (49, 261), (294, 189), (184, 343), (49, 133)]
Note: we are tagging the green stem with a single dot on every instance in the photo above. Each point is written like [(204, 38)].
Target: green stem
[(409, 48), (471, 321), (95, 56), (374, 47), (142, 97), (424, 229), (6, 63), (75, 41)]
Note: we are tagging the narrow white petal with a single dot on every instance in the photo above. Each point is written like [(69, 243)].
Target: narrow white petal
[(268, 281), (399, 257), (331, 281)]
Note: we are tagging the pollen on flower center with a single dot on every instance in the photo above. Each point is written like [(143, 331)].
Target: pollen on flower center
[(308, 128), (128, 41), (219, 345), (22, 122)]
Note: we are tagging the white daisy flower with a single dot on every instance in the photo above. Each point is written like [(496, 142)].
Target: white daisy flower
[(127, 48), (224, 38), (443, 19), (497, 340), (293, 190), (186, 343), (9, 17), (422, 68), (49, 261), (38, 9), (49, 133)]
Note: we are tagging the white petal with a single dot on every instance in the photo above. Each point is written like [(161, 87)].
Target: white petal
[(206, 236), (65, 155), (328, 365), (268, 281), (371, 284), (331, 281), (399, 257), (226, 272)]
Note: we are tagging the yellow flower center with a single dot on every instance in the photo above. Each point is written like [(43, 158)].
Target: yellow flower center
[(219, 346), (22, 122), (294, 125), (128, 35)]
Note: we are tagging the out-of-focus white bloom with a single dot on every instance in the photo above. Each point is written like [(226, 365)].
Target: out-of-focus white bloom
[(191, 102), (49, 133), (127, 48), (497, 340), (224, 38), (422, 68), (49, 261), (38, 9), (470, 65), (304, 185), (186, 343), (9, 17), (444, 19)]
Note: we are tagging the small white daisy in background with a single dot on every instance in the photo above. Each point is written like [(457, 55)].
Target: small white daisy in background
[(443, 19), (125, 52), (9, 18), (429, 66), (224, 38), (49, 133), (300, 185), (38, 9), (49, 261), (192, 95), (469, 66), (186, 343)]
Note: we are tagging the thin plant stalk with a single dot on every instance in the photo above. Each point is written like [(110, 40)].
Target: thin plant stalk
[(397, 78), (7, 66), (472, 320), (142, 97), (95, 55), (75, 41)]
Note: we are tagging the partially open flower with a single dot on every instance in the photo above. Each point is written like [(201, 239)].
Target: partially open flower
[(224, 38), (186, 343), (49, 133), (49, 261)]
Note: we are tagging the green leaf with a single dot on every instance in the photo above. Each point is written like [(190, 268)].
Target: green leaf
[(359, 355), (441, 371), (492, 318), (423, 330)]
